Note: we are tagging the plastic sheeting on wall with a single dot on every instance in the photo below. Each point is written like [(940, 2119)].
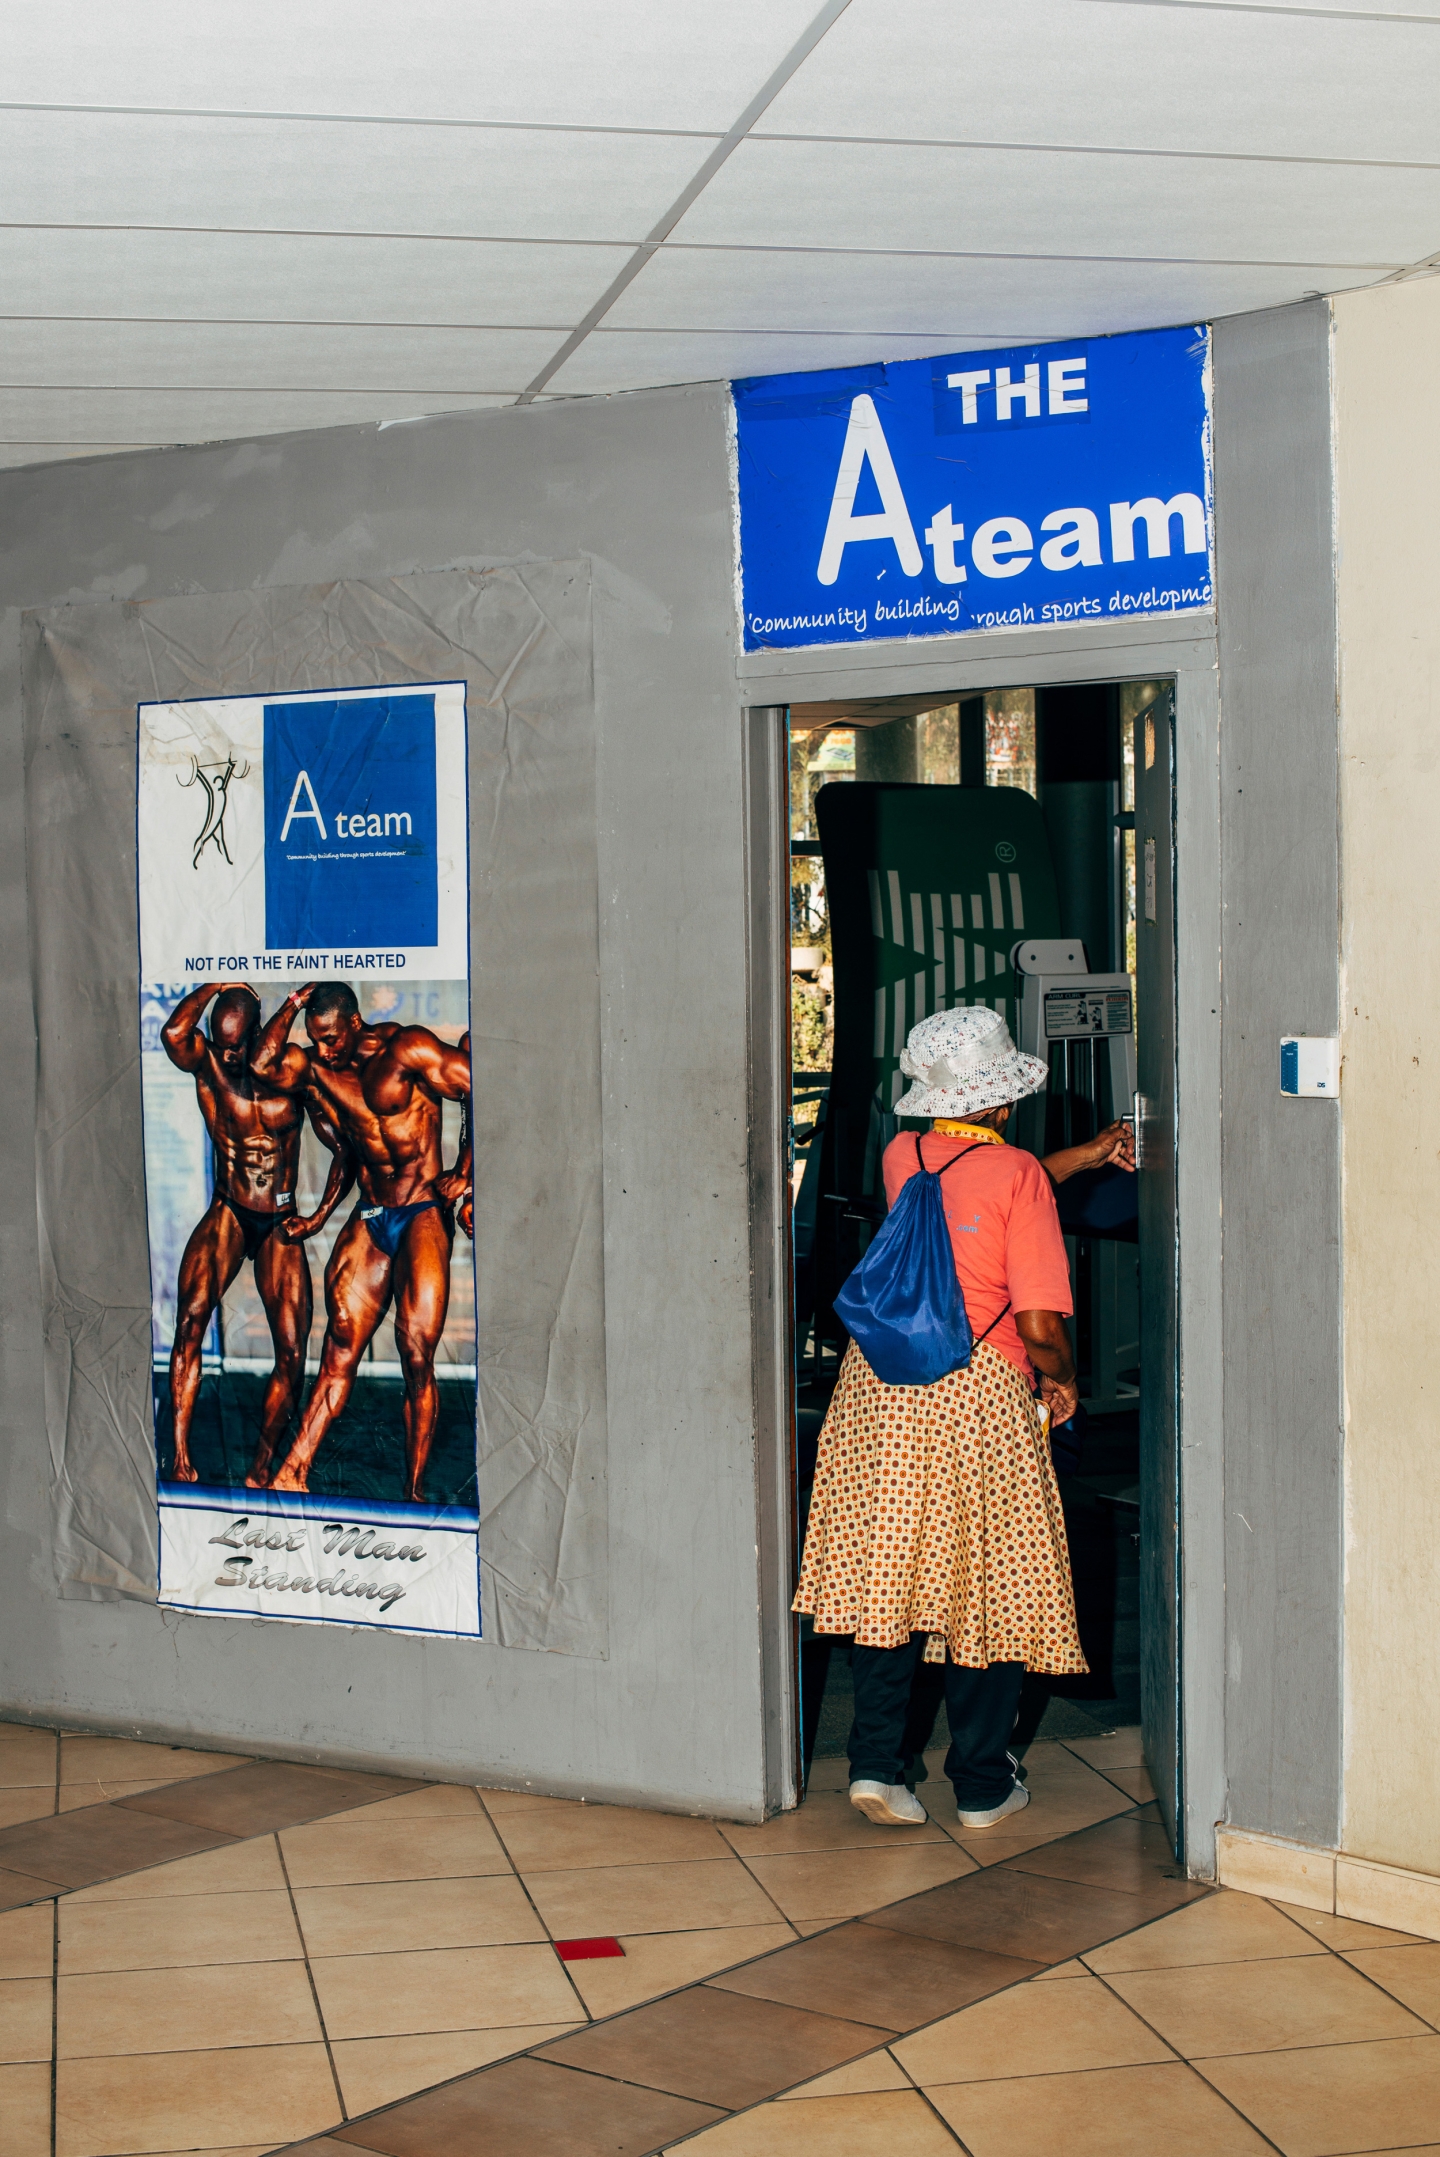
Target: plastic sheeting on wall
[(520, 638)]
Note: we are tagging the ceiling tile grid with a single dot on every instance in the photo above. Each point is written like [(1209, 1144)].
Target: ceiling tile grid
[(219, 222)]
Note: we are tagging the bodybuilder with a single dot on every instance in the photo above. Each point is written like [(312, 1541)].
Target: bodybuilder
[(382, 1087), (255, 1132)]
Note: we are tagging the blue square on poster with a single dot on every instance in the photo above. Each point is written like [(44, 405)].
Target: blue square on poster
[(350, 824)]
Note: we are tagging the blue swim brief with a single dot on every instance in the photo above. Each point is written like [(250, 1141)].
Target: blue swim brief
[(387, 1224)]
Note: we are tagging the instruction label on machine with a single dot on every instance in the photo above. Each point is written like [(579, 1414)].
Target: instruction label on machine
[(1075, 1013)]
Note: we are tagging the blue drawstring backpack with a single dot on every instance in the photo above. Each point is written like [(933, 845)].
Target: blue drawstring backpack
[(903, 1304)]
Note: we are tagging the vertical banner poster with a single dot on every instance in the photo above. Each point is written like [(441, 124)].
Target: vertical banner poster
[(304, 1002)]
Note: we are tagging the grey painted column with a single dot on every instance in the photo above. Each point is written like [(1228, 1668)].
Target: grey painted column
[(1280, 1158)]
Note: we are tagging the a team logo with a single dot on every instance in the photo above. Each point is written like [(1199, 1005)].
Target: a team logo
[(214, 779)]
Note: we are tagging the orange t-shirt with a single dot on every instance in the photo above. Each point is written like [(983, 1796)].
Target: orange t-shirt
[(1000, 1210)]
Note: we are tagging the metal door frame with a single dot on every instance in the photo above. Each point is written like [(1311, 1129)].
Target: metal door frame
[(1182, 650)]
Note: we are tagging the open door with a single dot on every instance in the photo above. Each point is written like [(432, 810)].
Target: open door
[(1155, 1111)]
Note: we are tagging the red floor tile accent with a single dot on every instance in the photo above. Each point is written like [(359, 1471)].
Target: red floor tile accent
[(587, 1950)]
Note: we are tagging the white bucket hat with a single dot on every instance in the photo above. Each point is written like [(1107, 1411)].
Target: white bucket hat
[(964, 1061)]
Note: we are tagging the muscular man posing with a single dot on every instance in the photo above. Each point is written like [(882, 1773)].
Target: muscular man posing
[(255, 1131), (382, 1086)]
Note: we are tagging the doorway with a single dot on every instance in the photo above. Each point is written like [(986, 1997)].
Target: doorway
[(1044, 814)]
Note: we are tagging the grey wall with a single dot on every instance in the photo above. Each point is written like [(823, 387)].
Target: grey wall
[(674, 1715), (1280, 1161)]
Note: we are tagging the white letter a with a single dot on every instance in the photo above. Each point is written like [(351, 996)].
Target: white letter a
[(864, 437), (295, 810)]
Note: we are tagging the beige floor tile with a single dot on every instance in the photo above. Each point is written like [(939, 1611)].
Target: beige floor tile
[(25, 2014), (376, 2070), (1329, 2099), (1262, 2006), (27, 1941), (437, 1801), (88, 1760), (1042, 1821), (251, 2149), (832, 1773), (875, 2071), (331, 1853), (1050, 1771), (1135, 1782), (25, 2109), (396, 1914), (675, 1897), (27, 1757), (242, 2003), (456, 1988), (1410, 1974), (583, 1836), (656, 1962), (75, 1795), (830, 1884), (899, 2122), (828, 1821), (1125, 1748), (176, 1930), (1031, 2030), (1223, 1928), (1061, 1969), (1110, 2112), (1344, 1932), (32, 1803), (242, 1868), (508, 1801), (162, 2101)]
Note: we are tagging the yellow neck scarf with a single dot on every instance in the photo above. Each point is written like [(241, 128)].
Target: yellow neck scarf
[(946, 1127)]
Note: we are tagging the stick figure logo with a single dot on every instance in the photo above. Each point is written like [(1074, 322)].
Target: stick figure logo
[(214, 779)]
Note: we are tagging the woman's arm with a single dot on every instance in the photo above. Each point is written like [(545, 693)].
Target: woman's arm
[(1047, 1343), (1114, 1145)]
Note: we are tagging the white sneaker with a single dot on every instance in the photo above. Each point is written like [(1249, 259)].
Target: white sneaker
[(888, 1804), (1018, 1799)]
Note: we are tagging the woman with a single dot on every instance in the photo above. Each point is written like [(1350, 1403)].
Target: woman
[(935, 1526)]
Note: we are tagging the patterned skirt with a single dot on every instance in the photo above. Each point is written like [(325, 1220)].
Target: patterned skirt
[(936, 1511)]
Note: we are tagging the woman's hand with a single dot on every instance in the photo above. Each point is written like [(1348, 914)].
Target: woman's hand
[(1114, 1147), (1047, 1343), (1061, 1401)]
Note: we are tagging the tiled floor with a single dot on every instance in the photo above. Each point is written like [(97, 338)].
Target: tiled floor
[(217, 1956)]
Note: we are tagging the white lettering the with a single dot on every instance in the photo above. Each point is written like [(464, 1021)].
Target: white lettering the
[(1007, 391), (1066, 380), (865, 442), (969, 385), (1156, 515)]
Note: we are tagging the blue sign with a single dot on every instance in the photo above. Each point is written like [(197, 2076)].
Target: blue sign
[(350, 824), (988, 490)]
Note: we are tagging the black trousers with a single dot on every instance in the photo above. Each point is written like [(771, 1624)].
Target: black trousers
[(890, 1730)]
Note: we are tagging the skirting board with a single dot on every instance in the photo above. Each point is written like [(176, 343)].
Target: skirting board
[(1356, 1887)]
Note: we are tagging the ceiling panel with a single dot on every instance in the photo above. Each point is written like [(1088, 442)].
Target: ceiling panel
[(611, 360), (1101, 71), (270, 356), (997, 300), (288, 176), (16, 453), (312, 278), (139, 416), (617, 63), (1064, 202)]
